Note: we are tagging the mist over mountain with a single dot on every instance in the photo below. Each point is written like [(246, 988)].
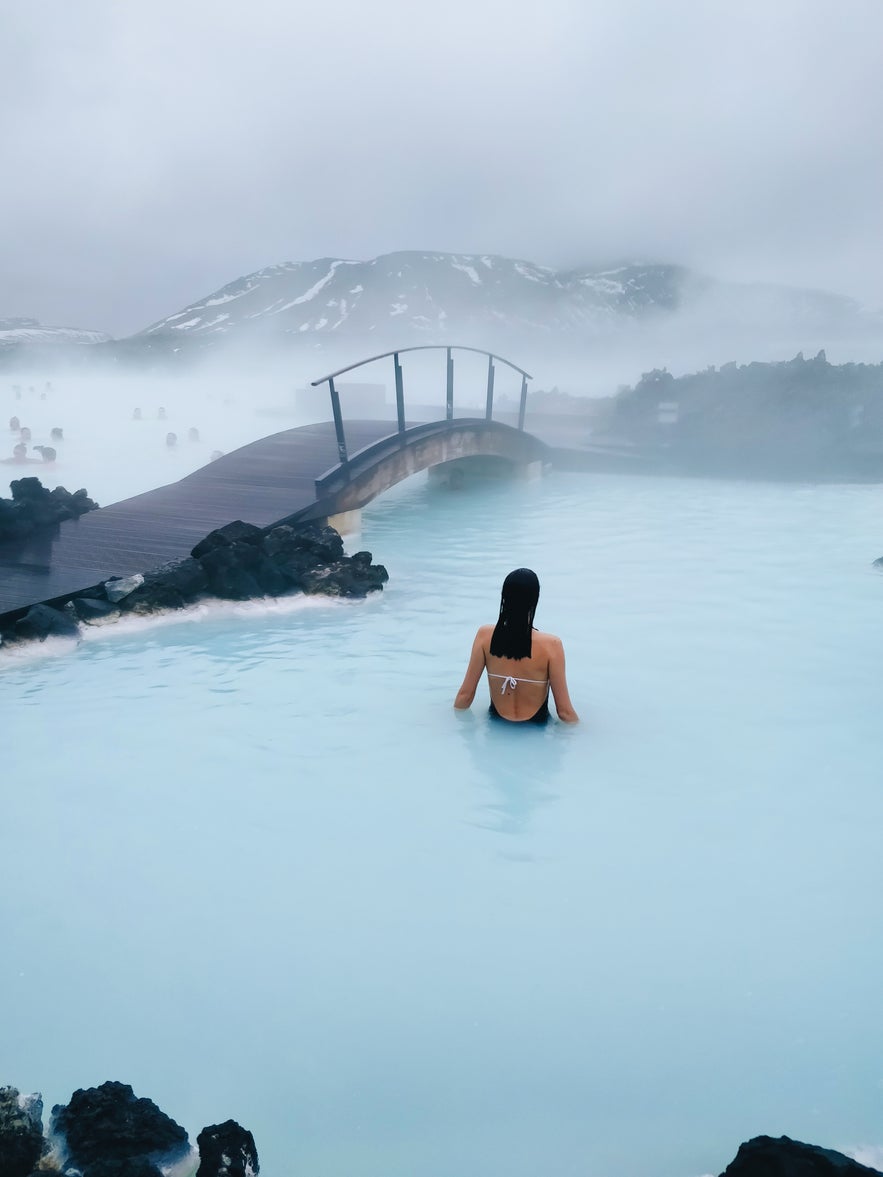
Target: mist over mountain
[(17, 331), (433, 296), (586, 330), (478, 299)]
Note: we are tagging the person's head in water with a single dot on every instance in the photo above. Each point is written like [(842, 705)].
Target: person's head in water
[(512, 634)]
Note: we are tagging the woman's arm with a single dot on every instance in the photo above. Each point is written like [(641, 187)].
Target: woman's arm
[(466, 693), (558, 683)]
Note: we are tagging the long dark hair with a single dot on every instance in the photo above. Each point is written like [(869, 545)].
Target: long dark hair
[(518, 603)]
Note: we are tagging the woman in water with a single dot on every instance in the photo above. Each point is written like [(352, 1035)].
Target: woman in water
[(522, 664)]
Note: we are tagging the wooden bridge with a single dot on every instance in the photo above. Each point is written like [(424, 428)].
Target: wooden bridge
[(310, 473)]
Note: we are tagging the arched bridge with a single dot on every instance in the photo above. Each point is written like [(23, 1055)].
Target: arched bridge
[(398, 375), (359, 477), (313, 472), (346, 487)]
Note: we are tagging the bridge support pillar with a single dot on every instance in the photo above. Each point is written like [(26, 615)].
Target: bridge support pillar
[(346, 522)]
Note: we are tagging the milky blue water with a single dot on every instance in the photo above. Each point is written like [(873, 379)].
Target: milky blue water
[(255, 865)]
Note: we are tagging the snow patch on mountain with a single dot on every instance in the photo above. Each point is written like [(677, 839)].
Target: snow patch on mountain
[(28, 331), (475, 299), (214, 302), (470, 271), (527, 272), (314, 289)]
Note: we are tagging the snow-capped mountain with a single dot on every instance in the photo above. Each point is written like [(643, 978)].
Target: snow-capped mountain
[(478, 299), (432, 295), (18, 331)]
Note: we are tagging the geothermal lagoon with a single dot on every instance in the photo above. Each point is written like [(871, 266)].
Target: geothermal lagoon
[(252, 862)]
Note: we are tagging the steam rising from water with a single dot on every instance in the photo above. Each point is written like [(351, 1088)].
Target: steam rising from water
[(115, 456)]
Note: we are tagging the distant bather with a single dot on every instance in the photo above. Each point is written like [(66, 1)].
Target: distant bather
[(215, 455), (47, 452), (14, 424), (56, 434), (193, 435), (136, 414), (171, 439), (160, 414), (25, 433)]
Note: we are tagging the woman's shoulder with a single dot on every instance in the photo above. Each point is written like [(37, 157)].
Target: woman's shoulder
[(548, 641), (484, 633)]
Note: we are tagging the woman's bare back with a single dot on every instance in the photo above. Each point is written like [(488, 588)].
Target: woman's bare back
[(519, 686)]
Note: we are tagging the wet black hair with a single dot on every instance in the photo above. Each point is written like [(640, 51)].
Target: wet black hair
[(512, 633)]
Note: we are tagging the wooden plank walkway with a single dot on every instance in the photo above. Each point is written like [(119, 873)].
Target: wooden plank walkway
[(261, 483)]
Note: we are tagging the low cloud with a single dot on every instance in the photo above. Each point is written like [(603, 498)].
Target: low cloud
[(155, 154)]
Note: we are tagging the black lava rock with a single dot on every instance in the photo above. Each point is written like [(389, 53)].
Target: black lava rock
[(14, 523), (271, 578), (79, 500), (33, 502), (187, 576), (323, 543), (230, 533), (41, 622), (21, 1132), (238, 562), (345, 578), (92, 608), (280, 541), (28, 490), (297, 553), (32, 506), (226, 1150), (768, 1156), (153, 598), (169, 586), (109, 1125), (229, 571)]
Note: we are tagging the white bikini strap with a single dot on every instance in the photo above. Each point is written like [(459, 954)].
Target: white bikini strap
[(512, 683)]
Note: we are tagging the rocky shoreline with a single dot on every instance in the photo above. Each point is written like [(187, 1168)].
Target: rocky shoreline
[(237, 562), (33, 507), (108, 1131)]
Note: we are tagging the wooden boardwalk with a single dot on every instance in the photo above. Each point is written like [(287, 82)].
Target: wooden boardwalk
[(261, 483)]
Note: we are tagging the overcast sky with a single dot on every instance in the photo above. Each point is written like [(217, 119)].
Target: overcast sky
[(154, 152)]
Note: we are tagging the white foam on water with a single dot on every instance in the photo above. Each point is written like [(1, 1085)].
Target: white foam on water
[(129, 625), (185, 1167)]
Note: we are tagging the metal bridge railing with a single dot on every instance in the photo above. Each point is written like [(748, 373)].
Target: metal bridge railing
[(400, 387)]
